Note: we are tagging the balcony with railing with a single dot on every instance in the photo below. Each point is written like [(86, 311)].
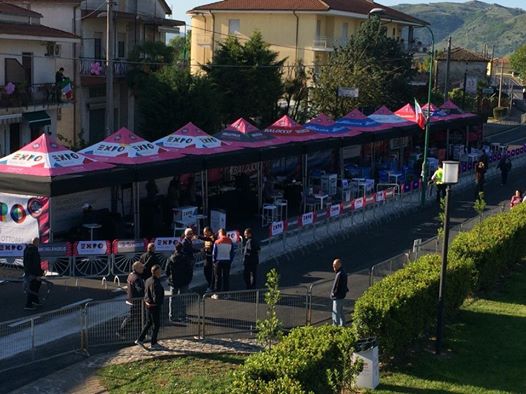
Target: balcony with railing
[(20, 95), (91, 67), (327, 44)]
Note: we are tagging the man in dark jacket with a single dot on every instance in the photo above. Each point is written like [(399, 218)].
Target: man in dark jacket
[(32, 273), (251, 250), (504, 167), (179, 273), (149, 259), (338, 293), (153, 301), (134, 299)]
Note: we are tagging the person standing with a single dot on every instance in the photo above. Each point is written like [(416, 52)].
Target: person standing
[(338, 293), (480, 177), (516, 199), (208, 248), (153, 300), (438, 180), (251, 250), (32, 274), (223, 255), (149, 259), (505, 167), (135, 292), (178, 273)]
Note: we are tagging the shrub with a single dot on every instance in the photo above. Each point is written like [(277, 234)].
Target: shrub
[(495, 245), (402, 307), (309, 359), (499, 112)]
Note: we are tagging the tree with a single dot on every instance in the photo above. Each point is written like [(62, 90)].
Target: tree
[(249, 78), (181, 47), (271, 329), (167, 95), (296, 92), (371, 62), (518, 61)]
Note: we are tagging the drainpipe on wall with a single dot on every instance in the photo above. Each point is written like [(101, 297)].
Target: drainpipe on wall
[(297, 33), (213, 33)]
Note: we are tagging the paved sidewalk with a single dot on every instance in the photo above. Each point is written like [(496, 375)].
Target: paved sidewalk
[(81, 378)]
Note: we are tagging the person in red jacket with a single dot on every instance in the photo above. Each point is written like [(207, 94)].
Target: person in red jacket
[(223, 254)]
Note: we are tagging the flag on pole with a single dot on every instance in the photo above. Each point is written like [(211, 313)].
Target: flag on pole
[(420, 119)]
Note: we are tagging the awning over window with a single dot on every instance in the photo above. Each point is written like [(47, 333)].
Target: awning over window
[(37, 118)]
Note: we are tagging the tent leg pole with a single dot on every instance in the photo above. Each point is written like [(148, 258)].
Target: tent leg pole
[(137, 217), (304, 169), (260, 185)]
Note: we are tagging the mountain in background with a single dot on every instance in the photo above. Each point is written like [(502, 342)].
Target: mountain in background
[(471, 25)]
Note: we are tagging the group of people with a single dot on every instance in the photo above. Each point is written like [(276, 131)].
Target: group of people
[(144, 284)]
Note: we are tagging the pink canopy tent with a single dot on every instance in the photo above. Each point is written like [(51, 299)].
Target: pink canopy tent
[(454, 111), (408, 112), (125, 147), (323, 124), (45, 157), (242, 133), (285, 129), (384, 116), (358, 122)]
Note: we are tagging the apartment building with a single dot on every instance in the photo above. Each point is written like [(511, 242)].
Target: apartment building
[(306, 30), (135, 22), (30, 101)]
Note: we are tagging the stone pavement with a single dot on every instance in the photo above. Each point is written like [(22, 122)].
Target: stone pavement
[(81, 378)]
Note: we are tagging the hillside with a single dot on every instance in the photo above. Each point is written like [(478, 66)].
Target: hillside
[(471, 25)]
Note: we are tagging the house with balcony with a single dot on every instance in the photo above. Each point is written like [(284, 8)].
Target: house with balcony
[(135, 22), (307, 30), (31, 102)]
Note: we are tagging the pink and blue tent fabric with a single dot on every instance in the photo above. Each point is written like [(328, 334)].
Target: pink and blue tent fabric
[(45, 157), (450, 108), (190, 139), (408, 112), (126, 148), (285, 129), (357, 121), (324, 125), (243, 134), (384, 116)]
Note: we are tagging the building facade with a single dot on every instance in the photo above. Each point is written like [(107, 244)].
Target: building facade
[(304, 31), (135, 22), (464, 65), (30, 100)]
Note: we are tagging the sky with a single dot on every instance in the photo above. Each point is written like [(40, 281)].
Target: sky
[(181, 6)]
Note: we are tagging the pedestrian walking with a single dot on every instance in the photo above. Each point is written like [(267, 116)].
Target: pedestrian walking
[(438, 180), (338, 293), (480, 178), (178, 271), (135, 290), (32, 274), (516, 199), (149, 259), (223, 256), (208, 248), (153, 300), (251, 250), (505, 167)]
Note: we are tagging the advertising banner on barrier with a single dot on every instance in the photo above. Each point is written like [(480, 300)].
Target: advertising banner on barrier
[(335, 210), (12, 250), (129, 246), (23, 218), (358, 203), (91, 248), (308, 218), (165, 244), (370, 199), (277, 228), (380, 196)]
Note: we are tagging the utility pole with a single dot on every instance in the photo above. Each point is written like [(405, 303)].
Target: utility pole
[(110, 31), (492, 71), (500, 82), (446, 77)]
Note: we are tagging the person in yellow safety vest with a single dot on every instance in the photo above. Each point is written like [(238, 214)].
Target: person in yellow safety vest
[(437, 179)]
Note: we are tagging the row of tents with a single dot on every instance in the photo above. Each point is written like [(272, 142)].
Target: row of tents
[(45, 167)]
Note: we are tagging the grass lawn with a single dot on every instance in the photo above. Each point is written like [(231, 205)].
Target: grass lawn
[(199, 374), (486, 349)]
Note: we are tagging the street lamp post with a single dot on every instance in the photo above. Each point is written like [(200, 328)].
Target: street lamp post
[(425, 165), (450, 177)]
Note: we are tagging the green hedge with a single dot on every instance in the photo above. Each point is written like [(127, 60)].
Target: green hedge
[(402, 307), (309, 359), (494, 245)]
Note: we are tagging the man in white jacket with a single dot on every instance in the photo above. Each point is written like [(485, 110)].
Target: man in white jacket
[(223, 254)]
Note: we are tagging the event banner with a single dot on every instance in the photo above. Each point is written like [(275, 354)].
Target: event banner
[(23, 218)]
